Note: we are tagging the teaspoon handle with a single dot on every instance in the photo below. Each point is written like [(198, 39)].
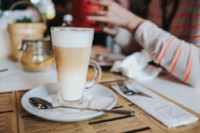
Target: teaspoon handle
[(129, 112), (2, 70)]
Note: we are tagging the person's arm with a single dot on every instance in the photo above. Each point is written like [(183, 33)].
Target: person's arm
[(126, 41), (116, 16), (180, 58)]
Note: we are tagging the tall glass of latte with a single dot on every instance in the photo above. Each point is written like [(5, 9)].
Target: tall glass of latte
[(72, 47)]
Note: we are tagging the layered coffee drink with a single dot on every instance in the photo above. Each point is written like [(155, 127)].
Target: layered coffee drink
[(72, 65), (72, 53)]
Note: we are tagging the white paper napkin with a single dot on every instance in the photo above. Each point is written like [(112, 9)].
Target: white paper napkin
[(164, 111), (136, 67)]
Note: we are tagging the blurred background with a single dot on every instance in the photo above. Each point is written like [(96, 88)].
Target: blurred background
[(46, 7), (53, 12)]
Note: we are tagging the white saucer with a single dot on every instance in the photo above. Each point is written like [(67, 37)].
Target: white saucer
[(59, 115)]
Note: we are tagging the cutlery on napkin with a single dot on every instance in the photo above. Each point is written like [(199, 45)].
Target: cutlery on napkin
[(164, 111)]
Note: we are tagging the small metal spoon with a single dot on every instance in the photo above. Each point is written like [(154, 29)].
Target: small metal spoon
[(43, 104)]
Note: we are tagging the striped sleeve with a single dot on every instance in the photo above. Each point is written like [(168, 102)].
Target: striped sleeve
[(119, 38), (180, 58), (195, 25), (125, 40)]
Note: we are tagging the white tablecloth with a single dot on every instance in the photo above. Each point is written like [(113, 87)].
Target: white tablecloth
[(170, 87), (18, 79)]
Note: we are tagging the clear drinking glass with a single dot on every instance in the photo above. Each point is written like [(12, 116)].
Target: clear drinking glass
[(72, 48)]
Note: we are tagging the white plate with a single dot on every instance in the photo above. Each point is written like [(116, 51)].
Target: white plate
[(108, 58), (59, 115)]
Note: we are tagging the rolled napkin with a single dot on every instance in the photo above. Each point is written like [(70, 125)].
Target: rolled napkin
[(164, 111), (136, 67)]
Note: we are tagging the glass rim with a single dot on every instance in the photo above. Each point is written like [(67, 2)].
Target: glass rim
[(57, 28)]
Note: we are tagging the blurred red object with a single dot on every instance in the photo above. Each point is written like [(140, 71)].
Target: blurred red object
[(80, 10)]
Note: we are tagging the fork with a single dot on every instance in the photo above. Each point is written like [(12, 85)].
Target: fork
[(127, 91)]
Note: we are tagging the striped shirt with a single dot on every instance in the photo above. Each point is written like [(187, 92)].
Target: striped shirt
[(178, 50)]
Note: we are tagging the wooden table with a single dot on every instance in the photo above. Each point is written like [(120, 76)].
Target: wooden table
[(14, 119)]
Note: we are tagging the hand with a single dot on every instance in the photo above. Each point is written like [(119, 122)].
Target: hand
[(114, 16)]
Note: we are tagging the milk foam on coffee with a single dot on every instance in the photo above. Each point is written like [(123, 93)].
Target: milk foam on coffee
[(72, 38), (72, 53)]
